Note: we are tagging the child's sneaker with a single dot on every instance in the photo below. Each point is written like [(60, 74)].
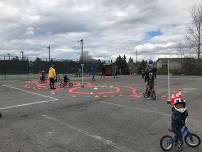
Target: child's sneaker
[(179, 148)]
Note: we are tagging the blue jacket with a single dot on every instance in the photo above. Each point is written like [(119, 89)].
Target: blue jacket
[(93, 70), (178, 119)]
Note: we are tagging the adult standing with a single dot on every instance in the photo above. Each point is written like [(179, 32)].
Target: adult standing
[(103, 71), (113, 70), (93, 72), (51, 77)]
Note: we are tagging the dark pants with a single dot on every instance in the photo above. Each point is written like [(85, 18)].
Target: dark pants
[(93, 78), (52, 83), (178, 135), (149, 88)]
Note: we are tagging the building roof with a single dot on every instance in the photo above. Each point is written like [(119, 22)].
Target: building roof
[(174, 59)]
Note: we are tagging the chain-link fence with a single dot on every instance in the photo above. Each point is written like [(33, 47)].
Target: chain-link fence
[(24, 69)]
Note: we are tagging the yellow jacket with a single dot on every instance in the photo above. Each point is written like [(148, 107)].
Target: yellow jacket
[(51, 73)]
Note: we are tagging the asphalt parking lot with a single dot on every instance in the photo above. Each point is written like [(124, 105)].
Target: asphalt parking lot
[(107, 115)]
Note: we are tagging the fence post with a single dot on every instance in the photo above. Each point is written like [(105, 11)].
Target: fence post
[(27, 70), (4, 68)]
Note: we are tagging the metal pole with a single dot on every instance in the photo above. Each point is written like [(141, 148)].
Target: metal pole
[(49, 53), (9, 56), (82, 65), (4, 68), (81, 51), (136, 55), (168, 80), (22, 54), (82, 76)]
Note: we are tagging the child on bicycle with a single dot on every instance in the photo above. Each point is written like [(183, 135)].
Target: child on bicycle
[(149, 79), (179, 115), (66, 78)]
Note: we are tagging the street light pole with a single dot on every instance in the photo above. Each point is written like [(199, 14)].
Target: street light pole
[(169, 77), (82, 63), (9, 55), (22, 54), (81, 51), (168, 80), (49, 53)]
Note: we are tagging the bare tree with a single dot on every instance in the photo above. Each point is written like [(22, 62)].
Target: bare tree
[(194, 35), (180, 48), (86, 57)]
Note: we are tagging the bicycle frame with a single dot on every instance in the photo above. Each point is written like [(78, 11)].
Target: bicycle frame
[(184, 132)]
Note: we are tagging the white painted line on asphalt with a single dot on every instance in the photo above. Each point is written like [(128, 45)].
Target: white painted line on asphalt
[(30, 92), (99, 138), (190, 89), (27, 104), (145, 110), (132, 108)]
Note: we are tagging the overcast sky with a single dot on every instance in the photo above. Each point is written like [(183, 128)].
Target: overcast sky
[(108, 27)]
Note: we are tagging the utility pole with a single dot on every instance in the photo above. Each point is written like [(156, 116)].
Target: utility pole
[(136, 56)]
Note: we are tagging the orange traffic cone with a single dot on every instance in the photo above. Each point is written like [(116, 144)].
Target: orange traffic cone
[(52, 92), (180, 94), (172, 99), (177, 94)]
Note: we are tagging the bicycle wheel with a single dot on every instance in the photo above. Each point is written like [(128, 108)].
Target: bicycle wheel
[(154, 97), (192, 140), (62, 85), (144, 95), (166, 142), (70, 84)]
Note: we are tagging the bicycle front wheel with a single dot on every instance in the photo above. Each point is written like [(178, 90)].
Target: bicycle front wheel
[(62, 85), (166, 142), (192, 140)]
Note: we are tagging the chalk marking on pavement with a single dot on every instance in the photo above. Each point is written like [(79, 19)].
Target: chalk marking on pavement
[(145, 110), (30, 92), (27, 104), (99, 138)]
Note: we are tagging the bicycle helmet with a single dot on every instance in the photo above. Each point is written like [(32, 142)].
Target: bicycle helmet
[(150, 74), (180, 105)]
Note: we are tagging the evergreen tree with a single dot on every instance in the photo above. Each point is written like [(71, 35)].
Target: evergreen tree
[(142, 66)]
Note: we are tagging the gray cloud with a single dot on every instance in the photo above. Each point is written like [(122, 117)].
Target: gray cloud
[(108, 27)]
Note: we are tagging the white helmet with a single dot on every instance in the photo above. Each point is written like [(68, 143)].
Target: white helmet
[(150, 74), (180, 101)]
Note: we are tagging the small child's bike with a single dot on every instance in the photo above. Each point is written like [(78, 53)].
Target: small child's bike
[(192, 140), (63, 84), (150, 92)]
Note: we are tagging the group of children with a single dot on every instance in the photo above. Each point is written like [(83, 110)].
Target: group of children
[(52, 77), (179, 111)]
